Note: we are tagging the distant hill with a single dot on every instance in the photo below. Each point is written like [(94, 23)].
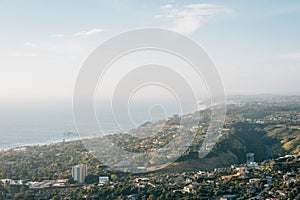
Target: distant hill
[(268, 130), (265, 141)]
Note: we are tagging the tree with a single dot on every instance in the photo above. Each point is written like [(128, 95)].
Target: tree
[(19, 195)]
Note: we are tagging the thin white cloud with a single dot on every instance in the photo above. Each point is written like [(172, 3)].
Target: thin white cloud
[(167, 6), (84, 33), (58, 35), (188, 18), (89, 32), (30, 44), (23, 55), (158, 16), (289, 56)]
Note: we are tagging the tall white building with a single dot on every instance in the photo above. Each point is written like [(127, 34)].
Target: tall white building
[(79, 172)]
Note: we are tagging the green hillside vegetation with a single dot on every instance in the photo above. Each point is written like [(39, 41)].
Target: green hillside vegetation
[(268, 140), (277, 136), (232, 149)]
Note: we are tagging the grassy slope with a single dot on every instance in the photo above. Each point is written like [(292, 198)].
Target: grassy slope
[(266, 141)]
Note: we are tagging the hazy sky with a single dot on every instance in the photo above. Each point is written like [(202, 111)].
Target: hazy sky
[(255, 44)]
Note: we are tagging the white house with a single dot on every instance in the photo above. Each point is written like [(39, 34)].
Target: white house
[(103, 179)]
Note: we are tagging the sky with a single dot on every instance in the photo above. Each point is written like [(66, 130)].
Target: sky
[(255, 45)]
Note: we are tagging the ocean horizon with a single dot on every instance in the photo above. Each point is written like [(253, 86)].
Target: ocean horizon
[(34, 124)]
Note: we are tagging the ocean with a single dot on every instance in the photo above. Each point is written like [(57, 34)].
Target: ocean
[(24, 124), (29, 124)]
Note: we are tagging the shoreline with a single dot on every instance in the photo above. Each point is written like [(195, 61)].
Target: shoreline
[(53, 142), (37, 144)]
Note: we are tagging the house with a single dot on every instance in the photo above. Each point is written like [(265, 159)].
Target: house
[(253, 180), (12, 182), (141, 180), (228, 197), (103, 179), (189, 189), (132, 197)]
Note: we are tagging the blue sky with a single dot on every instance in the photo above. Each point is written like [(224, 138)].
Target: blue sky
[(255, 44)]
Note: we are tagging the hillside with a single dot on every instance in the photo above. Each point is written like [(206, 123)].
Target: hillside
[(268, 130)]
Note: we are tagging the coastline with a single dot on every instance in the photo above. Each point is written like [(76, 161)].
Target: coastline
[(56, 141), (52, 142)]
